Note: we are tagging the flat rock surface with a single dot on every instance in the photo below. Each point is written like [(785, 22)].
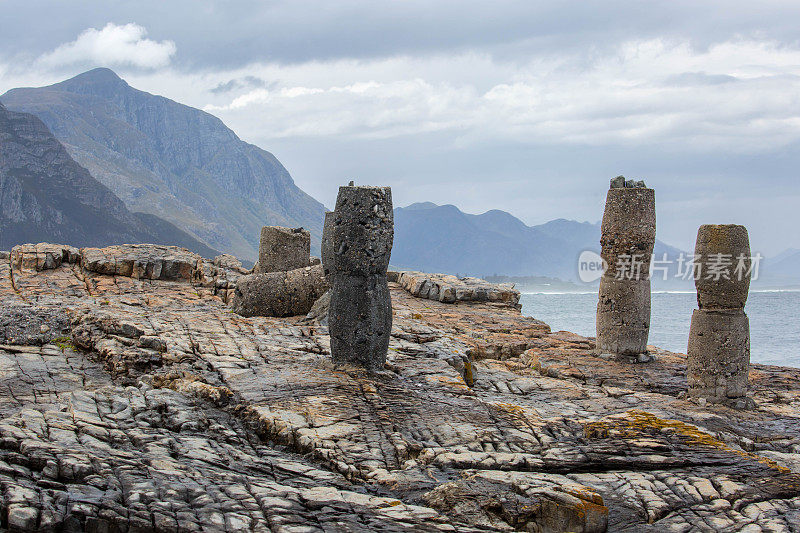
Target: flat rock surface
[(154, 408), (447, 288)]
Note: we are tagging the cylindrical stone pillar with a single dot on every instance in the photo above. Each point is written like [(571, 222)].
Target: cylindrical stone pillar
[(718, 353), (283, 249), (360, 314), (285, 293), (628, 234)]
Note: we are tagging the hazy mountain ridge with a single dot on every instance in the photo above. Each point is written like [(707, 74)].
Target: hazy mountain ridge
[(46, 196), (171, 160), (437, 238), (782, 269)]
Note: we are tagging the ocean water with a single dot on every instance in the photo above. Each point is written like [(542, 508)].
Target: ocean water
[(774, 320)]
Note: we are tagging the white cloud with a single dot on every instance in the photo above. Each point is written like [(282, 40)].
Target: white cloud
[(735, 95), (112, 45)]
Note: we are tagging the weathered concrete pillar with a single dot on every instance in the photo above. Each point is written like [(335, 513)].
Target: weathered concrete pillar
[(628, 234), (327, 243), (719, 337), (360, 314), (284, 293), (283, 249)]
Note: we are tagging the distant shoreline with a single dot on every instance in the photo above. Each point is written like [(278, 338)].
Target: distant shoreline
[(653, 292)]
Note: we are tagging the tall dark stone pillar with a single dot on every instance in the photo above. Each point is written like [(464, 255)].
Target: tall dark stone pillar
[(719, 337), (360, 314), (628, 234)]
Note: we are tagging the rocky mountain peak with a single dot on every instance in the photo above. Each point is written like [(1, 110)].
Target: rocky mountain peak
[(100, 81)]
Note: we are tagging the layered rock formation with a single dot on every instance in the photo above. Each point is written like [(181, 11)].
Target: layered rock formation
[(448, 289), (157, 409)]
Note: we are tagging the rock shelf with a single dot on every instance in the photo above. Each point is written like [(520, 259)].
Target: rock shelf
[(155, 408), (446, 288)]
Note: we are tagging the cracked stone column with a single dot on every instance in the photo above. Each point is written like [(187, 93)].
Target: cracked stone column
[(360, 315), (719, 337), (283, 249), (628, 234)]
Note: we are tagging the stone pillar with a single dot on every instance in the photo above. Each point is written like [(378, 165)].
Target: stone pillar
[(360, 314), (628, 234), (284, 293), (283, 249), (719, 337), (327, 244)]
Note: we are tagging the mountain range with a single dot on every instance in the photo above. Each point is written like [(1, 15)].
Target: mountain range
[(46, 196), (171, 160), (781, 270), (442, 238)]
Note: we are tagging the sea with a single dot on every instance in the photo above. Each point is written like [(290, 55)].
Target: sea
[(774, 319)]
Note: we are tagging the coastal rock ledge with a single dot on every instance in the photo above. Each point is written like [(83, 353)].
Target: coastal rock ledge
[(447, 288), (133, 399)]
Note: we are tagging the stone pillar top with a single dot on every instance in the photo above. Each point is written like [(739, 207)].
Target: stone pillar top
[(283, 249), (363, 230), (631, 209), (722, 257), (629, 225), (621, 183)]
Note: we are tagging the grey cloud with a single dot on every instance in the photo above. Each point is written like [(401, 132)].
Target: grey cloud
[(246, 82), (226, 87), (690, 79), (237, 33)]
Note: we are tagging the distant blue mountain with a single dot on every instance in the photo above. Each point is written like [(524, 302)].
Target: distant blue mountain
[(442, 238), (782, 269)]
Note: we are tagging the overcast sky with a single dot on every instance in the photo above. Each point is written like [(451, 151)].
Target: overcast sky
[(485, 105)]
